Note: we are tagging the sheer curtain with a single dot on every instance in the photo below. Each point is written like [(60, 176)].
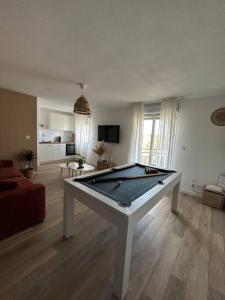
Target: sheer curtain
[(82, 133), (167, 133), (137, 120)]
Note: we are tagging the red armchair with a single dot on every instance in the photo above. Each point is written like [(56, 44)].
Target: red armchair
[(22, 204)]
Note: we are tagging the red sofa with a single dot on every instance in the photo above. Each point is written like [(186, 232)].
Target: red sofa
[(22, 203)]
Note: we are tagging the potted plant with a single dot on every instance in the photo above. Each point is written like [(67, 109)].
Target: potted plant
[(28, 156), (80, 160)]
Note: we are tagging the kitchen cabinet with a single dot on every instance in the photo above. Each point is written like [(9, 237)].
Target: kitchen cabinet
[(56, 121), (68, 123), (46, 152), (61, 122), (43, 118), (51, 152), (59, 151)]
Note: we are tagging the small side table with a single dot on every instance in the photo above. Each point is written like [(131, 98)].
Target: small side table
[(74, 167), (213, 199), (64, 166)]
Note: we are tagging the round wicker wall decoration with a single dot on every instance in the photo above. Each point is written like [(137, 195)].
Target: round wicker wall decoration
[(218, 117)]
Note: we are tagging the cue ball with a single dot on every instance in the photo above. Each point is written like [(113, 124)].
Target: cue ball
[(119, 182)]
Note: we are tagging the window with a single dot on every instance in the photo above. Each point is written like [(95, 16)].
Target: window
[(150, 138), (82, 131)]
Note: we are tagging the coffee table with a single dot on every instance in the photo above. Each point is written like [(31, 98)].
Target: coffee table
[(74, 167), (64, 166)]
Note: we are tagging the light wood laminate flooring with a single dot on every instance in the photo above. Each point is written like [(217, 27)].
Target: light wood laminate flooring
[(174, 256)]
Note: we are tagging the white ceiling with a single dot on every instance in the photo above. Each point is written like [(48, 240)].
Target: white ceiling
[(126, 50)]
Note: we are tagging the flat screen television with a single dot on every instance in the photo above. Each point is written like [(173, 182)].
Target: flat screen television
[(109, 133)]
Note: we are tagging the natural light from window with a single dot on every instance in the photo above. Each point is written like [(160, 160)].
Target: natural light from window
[(150, 139)]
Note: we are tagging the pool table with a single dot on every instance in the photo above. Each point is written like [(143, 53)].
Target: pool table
[(123, 195)]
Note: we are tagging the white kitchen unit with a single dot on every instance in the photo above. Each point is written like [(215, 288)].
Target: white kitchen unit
[(68, 123), (56, 121), (43, 118), (51, 152), (61, 122), (46, 152), (60, 151)]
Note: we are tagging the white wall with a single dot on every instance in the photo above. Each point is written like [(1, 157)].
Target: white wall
[(116, 116), (200, 147)]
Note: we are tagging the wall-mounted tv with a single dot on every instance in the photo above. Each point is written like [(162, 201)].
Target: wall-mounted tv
[(109, 133)]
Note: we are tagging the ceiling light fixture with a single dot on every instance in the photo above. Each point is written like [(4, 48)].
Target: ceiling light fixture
[(81, 105)]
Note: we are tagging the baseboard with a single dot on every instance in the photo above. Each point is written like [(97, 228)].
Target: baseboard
[(192, 193)]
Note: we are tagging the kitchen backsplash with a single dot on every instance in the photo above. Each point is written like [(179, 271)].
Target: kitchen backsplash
[(51, 135)]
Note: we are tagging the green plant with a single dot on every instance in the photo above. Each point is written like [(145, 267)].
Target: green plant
[(81, 159), (28, 156), (77, 159)]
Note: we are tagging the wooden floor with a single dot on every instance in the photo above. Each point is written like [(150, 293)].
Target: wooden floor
[(174, 256)]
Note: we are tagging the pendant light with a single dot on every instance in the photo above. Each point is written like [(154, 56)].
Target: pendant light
[(81, 105)]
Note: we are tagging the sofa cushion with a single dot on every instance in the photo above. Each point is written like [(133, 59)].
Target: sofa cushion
[(21, 181), (6, 163), (20, 208), (9, 173), (6, 185)]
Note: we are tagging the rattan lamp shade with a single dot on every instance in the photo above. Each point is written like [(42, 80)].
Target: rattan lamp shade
[(81, 106)]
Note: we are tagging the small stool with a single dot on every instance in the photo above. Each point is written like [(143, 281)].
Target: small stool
[(64, 166), (213, 198)]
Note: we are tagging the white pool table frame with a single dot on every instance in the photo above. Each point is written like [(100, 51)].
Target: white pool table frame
[(124, 218)]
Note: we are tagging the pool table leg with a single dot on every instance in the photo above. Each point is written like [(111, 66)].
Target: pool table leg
[(175, 196), (124, 241), (68, 214)]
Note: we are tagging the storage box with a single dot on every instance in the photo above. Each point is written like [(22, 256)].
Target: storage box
[(102, 165), (221, 181), (213, 199)]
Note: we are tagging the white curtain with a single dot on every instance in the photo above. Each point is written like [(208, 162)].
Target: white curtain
[(137, 121), (82, 134), (167, 133)]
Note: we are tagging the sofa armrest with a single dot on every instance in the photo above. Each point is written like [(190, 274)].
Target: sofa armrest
[(21, 208), (6, 163), (30, 199)]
